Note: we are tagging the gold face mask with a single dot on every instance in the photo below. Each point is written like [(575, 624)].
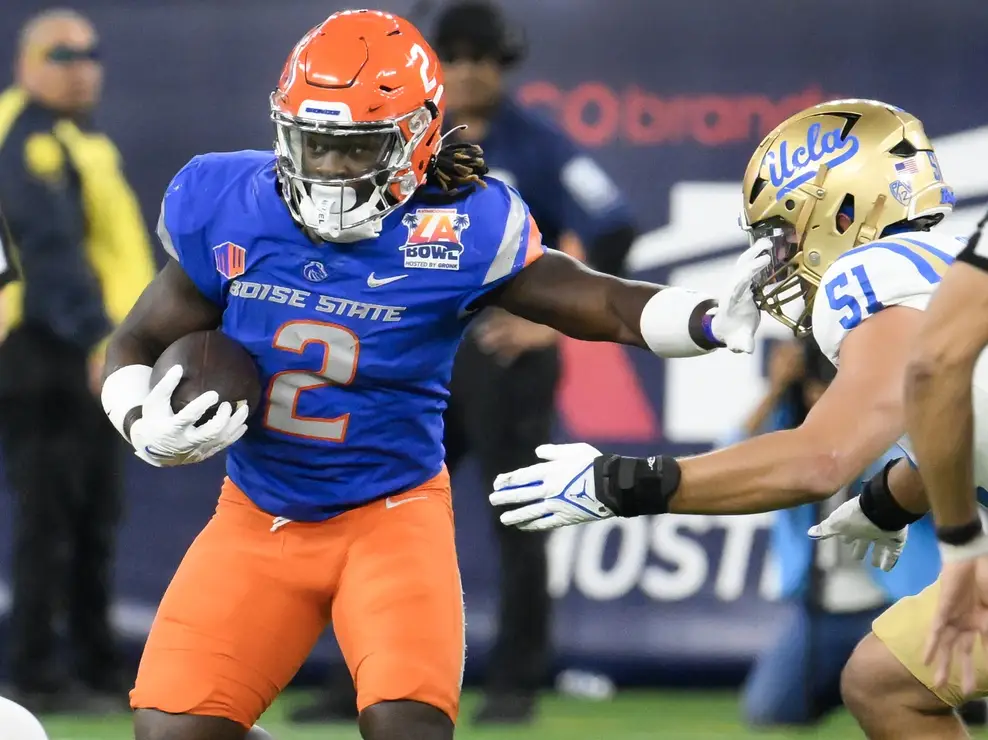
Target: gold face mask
[(829, 179)]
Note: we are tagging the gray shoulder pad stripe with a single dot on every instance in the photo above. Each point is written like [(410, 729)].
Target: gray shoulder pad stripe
[(507, 252), (164, 236)]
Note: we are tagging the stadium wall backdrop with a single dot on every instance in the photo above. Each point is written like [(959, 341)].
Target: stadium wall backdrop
[(672, 116)]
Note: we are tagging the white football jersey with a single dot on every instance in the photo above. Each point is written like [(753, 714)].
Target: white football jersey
[(900, 270)]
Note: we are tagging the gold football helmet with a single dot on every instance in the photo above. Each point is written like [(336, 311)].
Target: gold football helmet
[(868, 161)]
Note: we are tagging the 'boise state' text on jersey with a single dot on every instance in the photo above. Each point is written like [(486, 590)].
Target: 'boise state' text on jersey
[(354, 342)]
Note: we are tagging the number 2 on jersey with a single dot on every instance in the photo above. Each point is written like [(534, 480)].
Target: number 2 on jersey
[(340, 348), (840, 301)]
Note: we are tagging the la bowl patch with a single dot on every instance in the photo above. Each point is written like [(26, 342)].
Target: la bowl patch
[(434, 238)]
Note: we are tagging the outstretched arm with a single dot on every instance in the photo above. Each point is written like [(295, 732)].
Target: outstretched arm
[(858, 418), (558, 291)]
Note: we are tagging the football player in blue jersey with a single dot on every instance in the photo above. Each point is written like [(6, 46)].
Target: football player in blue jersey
[(348, 262), (845, 194)]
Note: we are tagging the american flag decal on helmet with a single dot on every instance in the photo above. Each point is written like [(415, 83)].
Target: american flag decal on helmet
[(231, 260)]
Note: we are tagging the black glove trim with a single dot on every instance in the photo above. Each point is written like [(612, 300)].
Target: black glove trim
[(881, 508), (636, 486)]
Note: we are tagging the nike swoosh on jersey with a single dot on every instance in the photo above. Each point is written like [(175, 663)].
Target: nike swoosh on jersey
[(376, 282), (389, 504)]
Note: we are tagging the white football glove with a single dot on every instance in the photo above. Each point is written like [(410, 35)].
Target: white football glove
[(737, 317), (165, 439), (557, 493), (851, 525)]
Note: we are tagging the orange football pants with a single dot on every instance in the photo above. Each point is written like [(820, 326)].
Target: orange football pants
[(248, 603)]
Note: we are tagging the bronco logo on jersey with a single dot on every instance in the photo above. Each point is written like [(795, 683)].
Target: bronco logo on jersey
[(231, 260), (434, 238)]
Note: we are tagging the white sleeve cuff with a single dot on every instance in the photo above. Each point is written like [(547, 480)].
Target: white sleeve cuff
[(124, 390), (665, 323)]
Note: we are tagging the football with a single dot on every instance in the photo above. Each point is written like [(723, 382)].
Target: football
[(212, 362)]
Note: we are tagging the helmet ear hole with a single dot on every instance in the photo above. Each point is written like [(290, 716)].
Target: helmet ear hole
[(845, 214)]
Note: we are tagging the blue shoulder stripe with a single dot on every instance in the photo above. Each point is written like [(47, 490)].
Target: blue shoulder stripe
[(924, 267), (948, 258)]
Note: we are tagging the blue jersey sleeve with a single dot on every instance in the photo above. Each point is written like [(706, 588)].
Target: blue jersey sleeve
[(182, 228), (584, 197), (505, 239)]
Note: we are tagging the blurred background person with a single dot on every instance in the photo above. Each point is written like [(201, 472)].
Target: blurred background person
[(82, 249), (830, 597), (502, 403)]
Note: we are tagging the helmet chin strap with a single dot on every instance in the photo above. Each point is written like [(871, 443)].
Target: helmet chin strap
[(327, 210)]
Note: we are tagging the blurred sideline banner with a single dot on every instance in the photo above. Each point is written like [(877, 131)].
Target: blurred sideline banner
[(671, 98)]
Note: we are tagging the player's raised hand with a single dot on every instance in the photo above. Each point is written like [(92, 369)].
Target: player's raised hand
[(556, 493), (164, 438), (850, 524), (737, 316)]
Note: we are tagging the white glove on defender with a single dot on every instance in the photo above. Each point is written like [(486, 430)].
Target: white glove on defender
[(736, 318), (558, 493), (851, 525), (164, 439)]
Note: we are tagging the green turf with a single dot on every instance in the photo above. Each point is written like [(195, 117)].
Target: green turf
[(632, 716)]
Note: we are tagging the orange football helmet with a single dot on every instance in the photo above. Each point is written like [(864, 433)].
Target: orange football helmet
[(358, 113)]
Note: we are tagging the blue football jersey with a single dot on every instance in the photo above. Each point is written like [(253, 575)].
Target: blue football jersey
[(354, 342)]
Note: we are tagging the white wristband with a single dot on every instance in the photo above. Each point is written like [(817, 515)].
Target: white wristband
[(123, 390), (973, 549), (665, 323)]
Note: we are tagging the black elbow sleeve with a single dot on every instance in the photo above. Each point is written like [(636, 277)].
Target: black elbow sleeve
[(878, 504)]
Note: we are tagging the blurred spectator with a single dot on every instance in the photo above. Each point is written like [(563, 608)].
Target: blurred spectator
[(504, 380), (83, 255), (831, 598)]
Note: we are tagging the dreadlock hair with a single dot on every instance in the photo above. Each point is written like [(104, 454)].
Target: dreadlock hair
[(457, 169)]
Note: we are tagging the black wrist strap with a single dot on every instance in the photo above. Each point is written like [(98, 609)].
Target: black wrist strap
[(960, 534), (634, 486), (880, 507)]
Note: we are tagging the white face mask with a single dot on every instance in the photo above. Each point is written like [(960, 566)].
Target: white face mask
[(321, 207)]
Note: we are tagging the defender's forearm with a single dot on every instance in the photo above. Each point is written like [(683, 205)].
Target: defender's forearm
[(770, 472)]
